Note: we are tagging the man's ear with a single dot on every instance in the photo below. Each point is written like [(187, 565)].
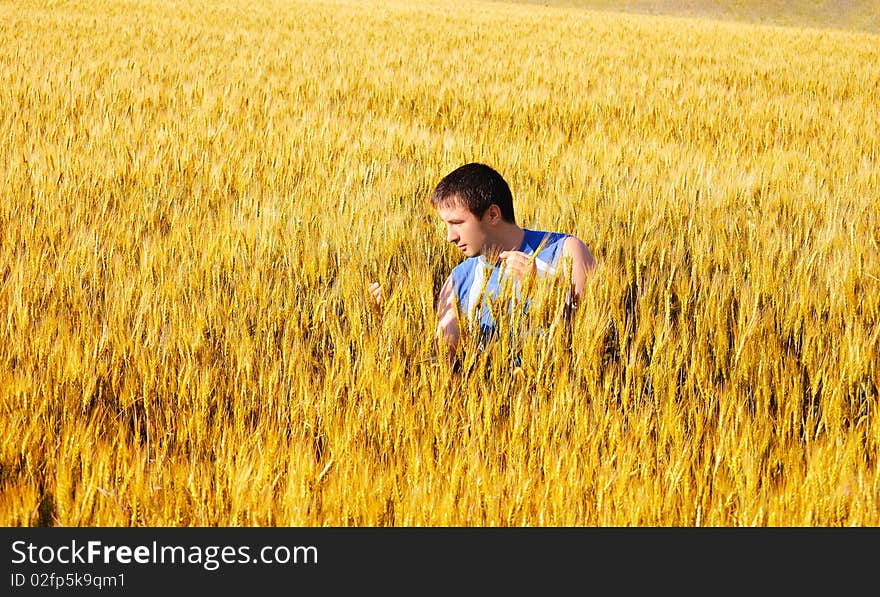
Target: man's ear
[(494, 214)]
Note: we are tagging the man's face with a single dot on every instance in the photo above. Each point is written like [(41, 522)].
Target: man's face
[(464, 228)]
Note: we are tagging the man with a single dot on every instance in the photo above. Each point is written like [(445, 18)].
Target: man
[(476, 204)]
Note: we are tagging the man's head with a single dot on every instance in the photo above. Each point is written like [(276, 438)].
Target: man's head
[(475, 203), (475, 187)]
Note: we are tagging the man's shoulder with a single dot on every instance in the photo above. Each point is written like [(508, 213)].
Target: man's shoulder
[(545, 243), (570, 241), (543, 238)]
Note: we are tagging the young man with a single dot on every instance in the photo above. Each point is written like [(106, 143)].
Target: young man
[(476, 204)]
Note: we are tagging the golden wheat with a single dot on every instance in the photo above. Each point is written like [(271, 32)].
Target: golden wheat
[(195, 196)]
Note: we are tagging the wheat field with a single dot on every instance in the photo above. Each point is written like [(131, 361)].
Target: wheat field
[(196, 194)]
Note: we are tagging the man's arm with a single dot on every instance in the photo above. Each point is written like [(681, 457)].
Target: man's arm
[(582, 261), (447, 318)]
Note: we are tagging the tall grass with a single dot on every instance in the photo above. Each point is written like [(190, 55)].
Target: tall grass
[(195, 196)]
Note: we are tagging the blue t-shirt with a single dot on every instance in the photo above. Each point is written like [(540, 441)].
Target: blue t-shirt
[(469, 276)]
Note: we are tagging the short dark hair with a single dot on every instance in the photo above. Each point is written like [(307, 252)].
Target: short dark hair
[(475, 186)]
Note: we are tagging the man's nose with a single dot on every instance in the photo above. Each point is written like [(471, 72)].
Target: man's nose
[(451, 235)]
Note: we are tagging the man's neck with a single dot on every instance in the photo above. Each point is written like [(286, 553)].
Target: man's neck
[(508, 238)]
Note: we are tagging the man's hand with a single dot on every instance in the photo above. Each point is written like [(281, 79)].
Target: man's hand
[(520, 265), (375, 290)]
